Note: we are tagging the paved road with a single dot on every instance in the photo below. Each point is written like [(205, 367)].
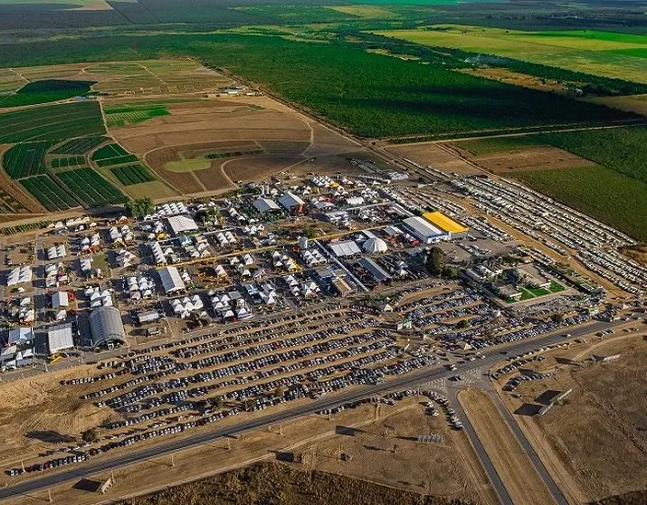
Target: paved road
[(411, 380)]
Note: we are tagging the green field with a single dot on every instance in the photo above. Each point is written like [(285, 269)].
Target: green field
[(51, 122), (52, 196), (371, 95), (46, 91), (68, 162), (608, 196), (497, 145), (92, 189), (132, 174), (78, 146), (24, 160), (120, 116), (112, 154), (599, 53), (623, 150)]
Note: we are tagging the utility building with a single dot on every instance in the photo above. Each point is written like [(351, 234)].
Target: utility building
[(106, 327)]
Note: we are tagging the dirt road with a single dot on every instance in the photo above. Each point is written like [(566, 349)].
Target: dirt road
[(521, 480)]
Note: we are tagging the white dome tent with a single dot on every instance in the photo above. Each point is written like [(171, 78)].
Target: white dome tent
[(375, 245)]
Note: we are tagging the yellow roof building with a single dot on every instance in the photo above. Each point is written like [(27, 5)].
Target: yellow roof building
[(445, 223)]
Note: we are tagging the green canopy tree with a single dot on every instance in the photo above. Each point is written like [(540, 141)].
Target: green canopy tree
[(436, 260)]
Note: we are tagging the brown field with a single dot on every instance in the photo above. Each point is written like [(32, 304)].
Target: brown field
[(518, 79), (636, 103), (259, 167), (596, 441), (521, 480), (526, 159), (428, 153), (277, 484)]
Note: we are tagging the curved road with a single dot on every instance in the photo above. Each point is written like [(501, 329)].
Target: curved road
[(49, 480)]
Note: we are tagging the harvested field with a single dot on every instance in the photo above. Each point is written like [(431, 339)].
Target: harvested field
[(527, 159), (213, 179), (636, 103), (597, 437), (276, 484), (155, 189), (521, 480), (427, 153), (259, 168)]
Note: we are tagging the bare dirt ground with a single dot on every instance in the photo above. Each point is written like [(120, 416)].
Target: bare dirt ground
[(276, 484), (427, 153), (521, 480), (449, 469), (260, 167), (526, 159), (518, 79), (594, 443), (637, 253)]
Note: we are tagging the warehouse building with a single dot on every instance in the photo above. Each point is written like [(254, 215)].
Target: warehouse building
[(182, 224), (452, 228), (265, 205), (292, 203), (423, 230), (106, 327), (171, 280), (60, 338)]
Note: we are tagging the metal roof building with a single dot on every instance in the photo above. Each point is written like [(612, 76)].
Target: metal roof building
[(60, 338), (345, 248), (424, 230), (171, 280), (182, 224), (447, 224), (378, 273), (106, 327), (264, 205), (291, 201)]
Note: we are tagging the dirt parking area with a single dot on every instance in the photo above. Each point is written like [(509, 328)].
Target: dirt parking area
[(594, 441), (430, 154), (521, 480)]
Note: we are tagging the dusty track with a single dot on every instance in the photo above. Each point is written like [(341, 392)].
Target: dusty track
[(519, 476)]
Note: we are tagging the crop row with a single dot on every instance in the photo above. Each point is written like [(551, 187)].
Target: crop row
[(113, 150), (48, 193), (24, 160), (120, 160), (90, 187), (78, 146), (21, 228), (132, 174), (69, 161)]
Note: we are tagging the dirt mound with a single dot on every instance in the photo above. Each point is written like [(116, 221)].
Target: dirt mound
[(275, 484)]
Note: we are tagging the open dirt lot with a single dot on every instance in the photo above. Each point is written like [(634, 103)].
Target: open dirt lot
[(596, 441), (530, 158), (448, 469), (521, 480), (430, 154)]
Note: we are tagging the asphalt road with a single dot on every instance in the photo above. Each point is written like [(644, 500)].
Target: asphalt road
[(412, 380)]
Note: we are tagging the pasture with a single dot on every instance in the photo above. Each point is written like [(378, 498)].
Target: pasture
[(598, 53), (51, 122)]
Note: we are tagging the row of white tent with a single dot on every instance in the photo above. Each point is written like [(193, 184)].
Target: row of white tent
[(184, 307), (168, 209), (125, 258), (56, 251), (123, 234), (98, 297), (313, 258), (19, 275), (226, 238), (139, 287)]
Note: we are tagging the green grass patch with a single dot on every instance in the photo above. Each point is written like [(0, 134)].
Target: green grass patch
[(538, 291), (526, 294), (188, 165), (46, 91), (25, 160), (132, 174), (497, 145), (90, 188), (51, 122), (556, 287), (600, 192)]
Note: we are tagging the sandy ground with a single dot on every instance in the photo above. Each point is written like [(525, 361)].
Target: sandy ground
[(596, 442), (527, 159), (446, 469), (521, 480), (429, 154)]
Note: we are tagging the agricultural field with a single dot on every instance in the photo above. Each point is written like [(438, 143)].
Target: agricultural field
[(92, 189), (112, 154), (52, 196), (51, 122), (45, 91), (68, 162), (597, 192), (132, 174), (78, 146), (26, 159), (124, 115), (497, 145), (588, 51), (370, 95)]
